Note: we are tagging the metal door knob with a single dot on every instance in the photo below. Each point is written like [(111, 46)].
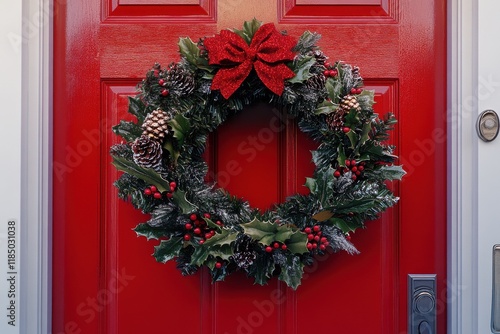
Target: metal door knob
[(487, 125)]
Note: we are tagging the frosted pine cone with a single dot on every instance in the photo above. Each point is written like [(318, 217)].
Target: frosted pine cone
[(147, 152)]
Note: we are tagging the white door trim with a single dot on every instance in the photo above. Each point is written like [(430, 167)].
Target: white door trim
[(36, 170), (462, 166), (36, 236)]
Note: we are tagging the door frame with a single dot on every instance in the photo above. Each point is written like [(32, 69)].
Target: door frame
[(36, 172)]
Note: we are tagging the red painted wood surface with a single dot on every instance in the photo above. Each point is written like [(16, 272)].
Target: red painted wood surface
[(105, 280)]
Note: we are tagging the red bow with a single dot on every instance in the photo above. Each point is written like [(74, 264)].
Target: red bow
[(267, 53)]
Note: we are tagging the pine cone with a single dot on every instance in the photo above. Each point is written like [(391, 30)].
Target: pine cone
[(321, 58), (349, 102), (336, 119), (181, 81), (147, 152), (155, 125), (316, 82)]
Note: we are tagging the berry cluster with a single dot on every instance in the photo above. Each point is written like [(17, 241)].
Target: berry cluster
[(198, 228), (355, 167), (330, 71), (153, 191), (276, 245), (315, 239), (356, 90)]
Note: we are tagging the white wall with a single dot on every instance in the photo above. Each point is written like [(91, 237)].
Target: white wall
[(10, 150)]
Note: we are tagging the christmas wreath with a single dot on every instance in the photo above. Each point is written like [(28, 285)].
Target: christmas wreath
[(199, 224)]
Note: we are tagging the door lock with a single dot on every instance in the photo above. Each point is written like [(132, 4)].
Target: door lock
[(422, 304), (487, 125)]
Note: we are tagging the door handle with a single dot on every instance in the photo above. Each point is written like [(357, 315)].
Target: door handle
[(421, 304), (487, 125)]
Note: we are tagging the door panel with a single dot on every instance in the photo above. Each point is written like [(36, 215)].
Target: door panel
[(105, 280)]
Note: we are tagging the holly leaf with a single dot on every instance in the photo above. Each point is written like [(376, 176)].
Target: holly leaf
[(262, 269), (249, 29), (223, 252), (341, 156), (291, 273), (225, 237), (343, 225), (301, 69), (297, 243), (283, 233), (353, 138), (312, 185), (180, 126), (211, 224), (365, 134), (263, 232), (366, 99), (137, 108), (388, 173), (334, 88), (167, 249), (148, 175), (145, 230), (191, 52), (200, 255), (180, 199), (326, 107), (127, 130)]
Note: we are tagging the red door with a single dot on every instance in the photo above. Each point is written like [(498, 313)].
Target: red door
[(104, 279)]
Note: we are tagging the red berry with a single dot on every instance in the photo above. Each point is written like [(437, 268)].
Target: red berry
[(170, 195), (201, 242), (322, 247), (323, 240), (326, 244), (307, 230), (172, 189), (310, 236), (206, 215), (358, 173), (336, 174), (348, 237), (309, 246), (353, 90), (353, 162), (212, 232), (276, 245), (269, 249), (218, 265), (197, 222), (327, 64), (346, 129), (316, 228), (332, 73), (193, 216), (153, 189), (147, 191), (173, 184), (284, 247), (359, 91), (208, 235), (188, 226), (335, 72), (361, 168), (187, 237), (197, 230), (354, 169), (319, 233), (316, 238), (218, 223), (326, 73), (164, 92), (314, 246), (348, 163), (157, 195), (354, 177), (161, 82)]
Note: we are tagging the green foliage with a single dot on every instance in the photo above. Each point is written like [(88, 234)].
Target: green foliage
[(339, 203)]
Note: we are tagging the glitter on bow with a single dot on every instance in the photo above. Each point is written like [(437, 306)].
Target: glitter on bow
[(267, 54)]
